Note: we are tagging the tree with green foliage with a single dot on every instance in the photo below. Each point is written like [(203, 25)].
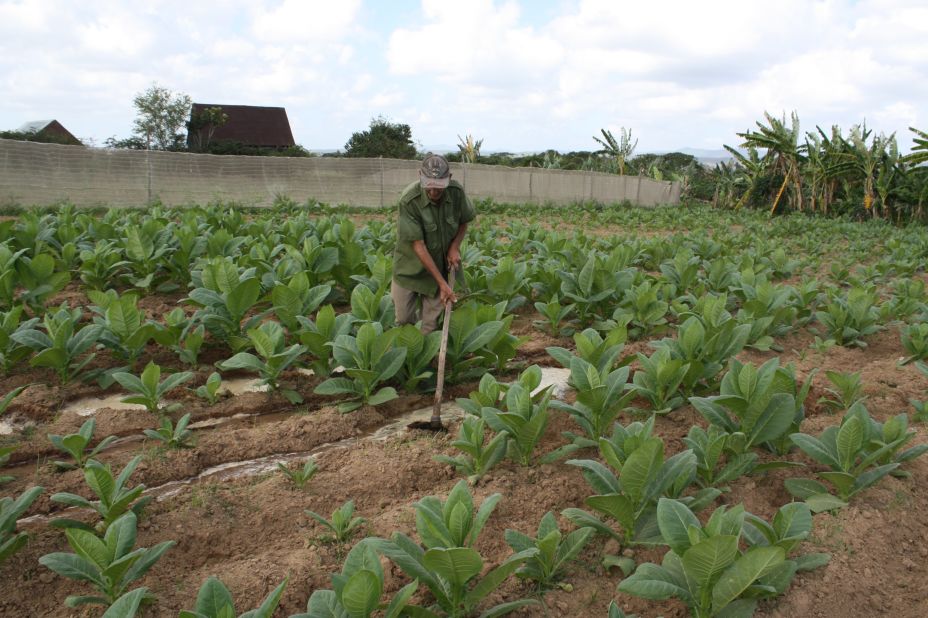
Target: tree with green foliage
[(382, 139), (619, 149), (203, 124), (162, 115)]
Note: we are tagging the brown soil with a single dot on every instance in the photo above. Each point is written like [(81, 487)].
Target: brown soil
[(252, 532)]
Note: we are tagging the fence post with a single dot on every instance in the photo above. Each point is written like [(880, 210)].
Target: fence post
[(148, 165), (531, 175), (638, 191), (381, 180)]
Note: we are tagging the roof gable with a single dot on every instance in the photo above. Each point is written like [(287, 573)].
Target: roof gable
[(267, 127)]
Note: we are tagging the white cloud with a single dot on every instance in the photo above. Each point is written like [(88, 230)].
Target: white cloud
[(306, 21)]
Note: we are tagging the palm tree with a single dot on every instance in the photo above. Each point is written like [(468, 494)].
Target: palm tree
[(783, 151)]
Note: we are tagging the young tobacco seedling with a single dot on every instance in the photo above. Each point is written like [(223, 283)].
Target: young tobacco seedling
[(9, 397), (915, 342), (478, 458), (302, 475), (554, 315), (555, 551), (210, 389), (849, 319), (358, 588), (215, 601), (601, 395), (10, 511), (847, 390), (62, 343), (114, 498), (660, 380), (76, 445), (149, 388), (172, 436), (109, 563), (420, 350), (269, 341), (343, 525)]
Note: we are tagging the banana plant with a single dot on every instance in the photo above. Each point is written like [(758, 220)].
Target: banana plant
[(343, 523), (10, 512), (357, 590), (706, 569), (12, 353), (110, 563), (420, 350), (274, 357), (478, 456), (123, 327), (555, 551), (149, 389), (215, 601), (369, 360), (858, 453), (319, 337), (62, 343), (76, 445), (171, 435), (601, 396), (114, 498)]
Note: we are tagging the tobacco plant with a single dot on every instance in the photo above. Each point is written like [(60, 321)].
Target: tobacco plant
[(477, 458), (300, 476), (224, 299), (110, 563), (10, 512), (601, 352), (555, 316), (209, 390), (847, 390), (114, 498), (753, 406), (76, 445), (420, 351), (149, 389), (849, 319), (601, 395), (38, 278), (915, 342), (710, 447), (215, 601), (297, 298), (555, 550), (343, 523), (12, 352), (171, 435), (358, 588), (660, 380), (859, 453), (319, 337), (124, 328), (62, 343), (629, 494), (369, 360), (705, 567), (273, 358)]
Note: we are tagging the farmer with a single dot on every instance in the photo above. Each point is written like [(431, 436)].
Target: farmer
[(433, 218)]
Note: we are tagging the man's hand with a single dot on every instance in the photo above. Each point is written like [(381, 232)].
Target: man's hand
[(446, 294), (454, 258)]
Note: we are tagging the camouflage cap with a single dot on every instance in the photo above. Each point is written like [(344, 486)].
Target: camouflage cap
[(435, 172)]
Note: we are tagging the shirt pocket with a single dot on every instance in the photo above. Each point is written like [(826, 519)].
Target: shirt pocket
[(432, 235)]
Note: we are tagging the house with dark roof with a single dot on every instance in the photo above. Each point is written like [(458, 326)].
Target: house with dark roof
[(249, 125), (50, 130)]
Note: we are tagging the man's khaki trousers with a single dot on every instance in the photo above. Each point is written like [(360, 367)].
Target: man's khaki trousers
[(407, 310)]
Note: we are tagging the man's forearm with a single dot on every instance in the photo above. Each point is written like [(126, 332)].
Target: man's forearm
[(422, 253)]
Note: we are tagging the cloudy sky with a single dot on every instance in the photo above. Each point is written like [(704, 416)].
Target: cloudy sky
[(521, 75)]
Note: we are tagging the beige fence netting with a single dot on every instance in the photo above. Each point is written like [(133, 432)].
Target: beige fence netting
[(40, 174)]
